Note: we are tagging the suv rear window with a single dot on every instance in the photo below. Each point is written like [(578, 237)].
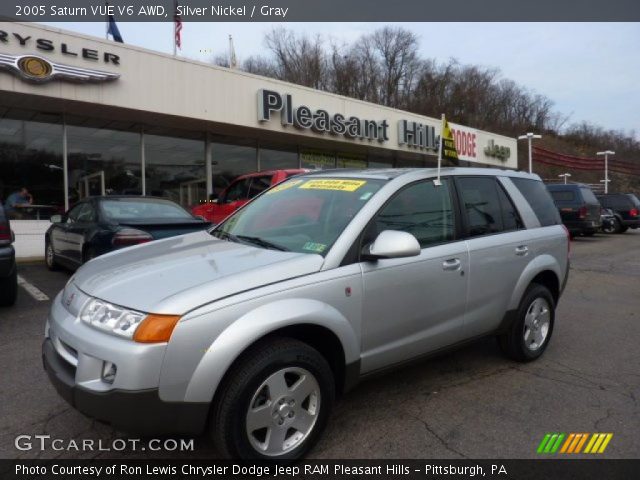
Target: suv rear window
[(563, 195), (619, 202), (588, 195), (539, 199), (481, 205)]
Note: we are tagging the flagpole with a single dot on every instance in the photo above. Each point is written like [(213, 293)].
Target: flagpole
[(175, 11), (437, 181)]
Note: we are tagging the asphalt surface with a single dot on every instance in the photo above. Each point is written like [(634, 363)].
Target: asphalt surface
[(472, 403)]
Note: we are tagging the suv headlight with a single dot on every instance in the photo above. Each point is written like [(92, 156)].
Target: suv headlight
[(111, 318)]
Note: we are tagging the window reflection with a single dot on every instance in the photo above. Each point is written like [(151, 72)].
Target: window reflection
[(229, 162), (175, 169), (31, 157), (278, 158), (103, 162)]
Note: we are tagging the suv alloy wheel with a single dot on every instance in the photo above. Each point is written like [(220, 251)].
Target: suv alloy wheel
[(531, 330), (275, 402)]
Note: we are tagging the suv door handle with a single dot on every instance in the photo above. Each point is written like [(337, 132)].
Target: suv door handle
[(451, 264), (522, 250)]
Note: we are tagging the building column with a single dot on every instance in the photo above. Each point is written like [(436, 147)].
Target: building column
[(65, 164), (143, 163), (208, 166)]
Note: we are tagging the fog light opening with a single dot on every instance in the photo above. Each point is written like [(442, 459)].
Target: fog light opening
[(109, 372)]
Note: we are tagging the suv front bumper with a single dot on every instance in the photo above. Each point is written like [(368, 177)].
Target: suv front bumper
[(139, 411)]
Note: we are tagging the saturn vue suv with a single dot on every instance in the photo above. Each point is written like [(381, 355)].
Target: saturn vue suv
[(250, 330)]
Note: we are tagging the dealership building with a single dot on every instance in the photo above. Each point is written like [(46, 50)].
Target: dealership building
[(85, 116)]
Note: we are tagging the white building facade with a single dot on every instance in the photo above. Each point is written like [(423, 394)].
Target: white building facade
[(85, 116)]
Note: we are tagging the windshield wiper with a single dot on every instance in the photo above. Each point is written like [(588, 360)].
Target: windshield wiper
[(262, 243), (222, 235)]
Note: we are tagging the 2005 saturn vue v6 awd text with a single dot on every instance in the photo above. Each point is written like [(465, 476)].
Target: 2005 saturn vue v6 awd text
[(250, 330)]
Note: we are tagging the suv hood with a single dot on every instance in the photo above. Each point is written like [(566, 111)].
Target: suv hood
[(178, 274)]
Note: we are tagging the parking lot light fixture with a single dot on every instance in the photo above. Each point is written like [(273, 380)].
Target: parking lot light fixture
[(606, 180), (529, 137), (565, 175)]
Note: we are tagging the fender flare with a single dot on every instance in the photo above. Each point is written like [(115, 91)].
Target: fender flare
[(538, 265), (257, 323)]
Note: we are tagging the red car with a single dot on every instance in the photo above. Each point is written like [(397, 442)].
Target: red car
[(240, 191)]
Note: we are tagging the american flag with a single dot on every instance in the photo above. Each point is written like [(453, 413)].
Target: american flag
[(178, 28)]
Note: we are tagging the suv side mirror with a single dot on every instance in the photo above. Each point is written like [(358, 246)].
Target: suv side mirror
[(56, 219), (392, 244)]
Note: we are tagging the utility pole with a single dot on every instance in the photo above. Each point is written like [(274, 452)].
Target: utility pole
[(565, 175), (606, 180), (530, 136)]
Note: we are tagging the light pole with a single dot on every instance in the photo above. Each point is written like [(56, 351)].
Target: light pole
[(529, 136), (565, 175), (606, 180)]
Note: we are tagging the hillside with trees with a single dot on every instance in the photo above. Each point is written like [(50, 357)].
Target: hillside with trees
[(385, 67)]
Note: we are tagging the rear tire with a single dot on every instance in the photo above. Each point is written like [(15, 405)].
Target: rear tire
[(529, 334), (9, 289), (50, 256), (274, 403)]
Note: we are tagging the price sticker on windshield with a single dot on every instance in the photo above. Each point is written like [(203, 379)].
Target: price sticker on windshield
[(333, 184), (285, 186)]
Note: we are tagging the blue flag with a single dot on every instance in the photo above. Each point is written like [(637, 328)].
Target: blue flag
[(113, 30)]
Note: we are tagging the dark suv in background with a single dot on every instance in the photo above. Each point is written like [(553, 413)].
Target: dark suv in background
[(8, 270), (578, 206), (626, 209)]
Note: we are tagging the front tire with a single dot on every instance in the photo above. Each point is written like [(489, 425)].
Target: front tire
[(529, 335), (610, 227), (9, 289), (274, 403)]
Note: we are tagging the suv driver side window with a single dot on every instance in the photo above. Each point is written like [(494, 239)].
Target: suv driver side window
[(422, 209)]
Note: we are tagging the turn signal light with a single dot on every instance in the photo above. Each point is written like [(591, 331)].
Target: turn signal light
[(634, 212), (156, 328)]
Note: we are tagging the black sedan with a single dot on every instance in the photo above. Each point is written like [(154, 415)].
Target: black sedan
[(97, 225)]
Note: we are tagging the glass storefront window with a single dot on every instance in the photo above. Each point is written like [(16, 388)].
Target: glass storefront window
[(103, 162), (351, 160), (229, 162), (405, 160), (317, 159), (381, 160), (175, 169), (31, 158), (278, 158)]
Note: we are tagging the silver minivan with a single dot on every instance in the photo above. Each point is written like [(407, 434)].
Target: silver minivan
[(249, 331)]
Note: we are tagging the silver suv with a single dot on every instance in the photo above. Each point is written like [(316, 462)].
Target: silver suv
[(250, 330)]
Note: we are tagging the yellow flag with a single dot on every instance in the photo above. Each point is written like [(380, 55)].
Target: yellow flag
[(449, 151)]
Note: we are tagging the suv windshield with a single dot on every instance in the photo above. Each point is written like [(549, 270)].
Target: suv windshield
[(304, 215)]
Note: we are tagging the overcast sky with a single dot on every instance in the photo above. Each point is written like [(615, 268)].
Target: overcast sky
[(591, 71)]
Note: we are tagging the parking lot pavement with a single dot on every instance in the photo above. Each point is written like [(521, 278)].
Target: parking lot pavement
[(470, 403)]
